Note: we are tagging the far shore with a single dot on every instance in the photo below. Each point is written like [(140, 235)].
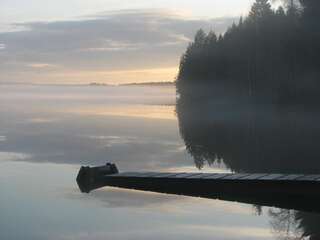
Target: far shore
[(94, 84)]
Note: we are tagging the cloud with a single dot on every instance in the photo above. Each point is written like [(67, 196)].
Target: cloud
[(14, 156), (111, 45), (40, 65), (107, 42)]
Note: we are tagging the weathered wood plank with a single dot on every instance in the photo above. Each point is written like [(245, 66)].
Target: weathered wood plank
[(149, 174), (235, 176), (166, 175), (290, 177), (127, 174), (308, 178), (196, 176), (217, 176), (221, 176), (272, 177), (184, 175), (254, 176)]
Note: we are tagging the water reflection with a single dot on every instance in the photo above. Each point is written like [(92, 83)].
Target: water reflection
[(92, 125), (45, 124), (251, 138), (254, 138), (54, 209)]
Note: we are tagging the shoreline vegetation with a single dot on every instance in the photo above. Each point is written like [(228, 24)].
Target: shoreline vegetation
[(269, 56), (249, 99)]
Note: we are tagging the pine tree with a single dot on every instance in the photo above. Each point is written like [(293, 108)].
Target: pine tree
[(260, 9), (200, 38), (211, 38)]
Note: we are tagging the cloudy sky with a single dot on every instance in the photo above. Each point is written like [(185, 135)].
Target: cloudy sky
[(110, 41)]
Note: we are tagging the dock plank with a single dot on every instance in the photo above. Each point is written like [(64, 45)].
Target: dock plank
[(290, 177), (312, 177), (217, 176), (185, 175), (221, 176), (237, 176), (128, 174), (253, 176), (166, 175), (274, 176), (196, 176)]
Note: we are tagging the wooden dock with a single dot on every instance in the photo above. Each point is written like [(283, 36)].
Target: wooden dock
[(291, 191)]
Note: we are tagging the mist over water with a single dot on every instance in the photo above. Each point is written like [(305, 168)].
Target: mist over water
[(87, 125), (47, 132), (245, 101)]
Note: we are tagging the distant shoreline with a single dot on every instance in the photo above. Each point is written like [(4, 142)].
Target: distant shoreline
[(148, 84), (94, 84), (157, 84)]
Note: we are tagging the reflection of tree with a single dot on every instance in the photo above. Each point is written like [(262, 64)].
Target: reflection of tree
[(309, 224), (250, 138), (290, 224), (285, 224), (254, 138), (243, 97)]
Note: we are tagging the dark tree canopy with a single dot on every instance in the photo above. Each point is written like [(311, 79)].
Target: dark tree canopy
[(269, 56), (260, 9), (249, 98)]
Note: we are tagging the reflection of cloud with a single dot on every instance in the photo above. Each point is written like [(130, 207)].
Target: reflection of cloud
[(40, 121), (178, 232), (114, 198), (232, 231), (184, 216), (3, 138), (140, 111), (119, 198), (115, 140), (2, 46)]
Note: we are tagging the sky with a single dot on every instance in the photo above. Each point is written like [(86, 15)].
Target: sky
[(105, 41)]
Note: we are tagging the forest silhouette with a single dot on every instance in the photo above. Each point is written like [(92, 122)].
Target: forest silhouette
[(270, 56), (249, 97)]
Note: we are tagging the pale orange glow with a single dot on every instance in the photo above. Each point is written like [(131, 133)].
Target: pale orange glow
[(62, 76), (140, 111)]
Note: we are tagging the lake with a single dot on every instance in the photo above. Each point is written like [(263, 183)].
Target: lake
[(48, 131)]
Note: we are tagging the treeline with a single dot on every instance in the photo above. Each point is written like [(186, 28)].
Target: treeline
[(269, 56)]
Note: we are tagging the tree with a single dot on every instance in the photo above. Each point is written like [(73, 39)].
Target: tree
[(200, 38), (260, 9), (271, 55), (211, 38)]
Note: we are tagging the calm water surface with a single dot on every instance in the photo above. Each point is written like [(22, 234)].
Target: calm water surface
[(48, 132)]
